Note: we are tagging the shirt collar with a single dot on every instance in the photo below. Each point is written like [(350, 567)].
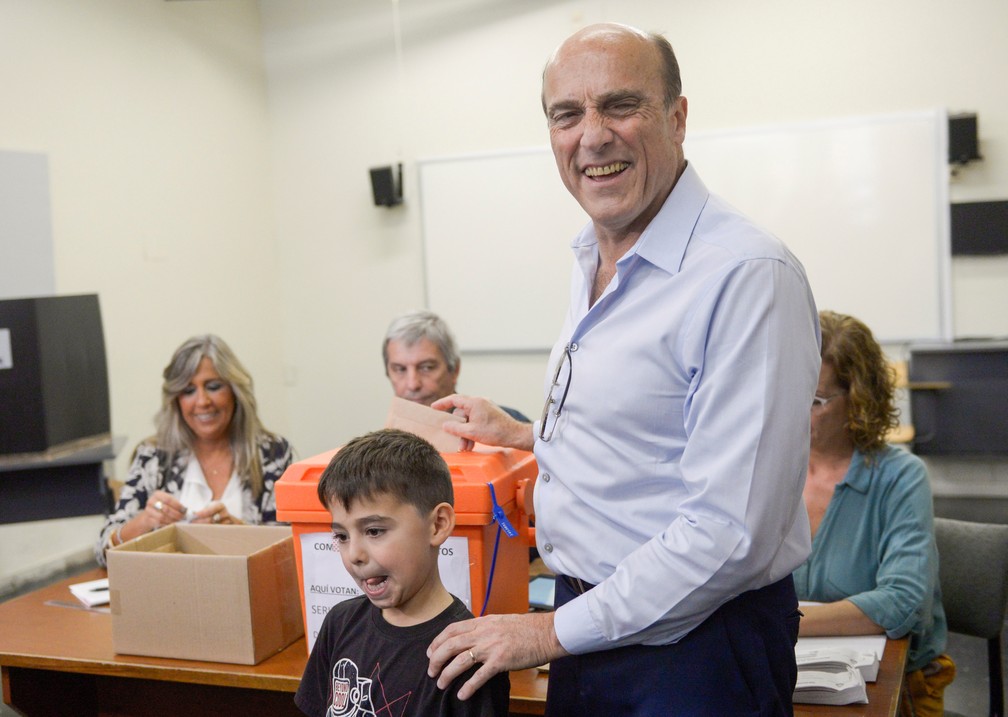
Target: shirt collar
[(856, 478), (665, 239)]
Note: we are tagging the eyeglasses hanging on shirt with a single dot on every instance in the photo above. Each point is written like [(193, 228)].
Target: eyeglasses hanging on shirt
[(557, 394)]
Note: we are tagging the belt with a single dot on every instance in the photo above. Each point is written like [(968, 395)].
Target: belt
[(579, 586)]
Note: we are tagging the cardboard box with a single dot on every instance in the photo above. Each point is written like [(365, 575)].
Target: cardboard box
[(219, 593), (476, 557)]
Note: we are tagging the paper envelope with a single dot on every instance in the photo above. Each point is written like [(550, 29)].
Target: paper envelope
[(425, 422)]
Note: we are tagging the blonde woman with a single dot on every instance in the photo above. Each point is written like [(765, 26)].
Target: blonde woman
[(211, 460)]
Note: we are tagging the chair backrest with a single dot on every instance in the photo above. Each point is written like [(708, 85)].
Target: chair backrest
[(973, 572)]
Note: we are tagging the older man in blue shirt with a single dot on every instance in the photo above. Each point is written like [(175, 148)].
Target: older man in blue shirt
[(674, 441)]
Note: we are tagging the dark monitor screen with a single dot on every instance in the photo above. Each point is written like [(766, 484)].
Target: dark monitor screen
[(959, 398), (53, 378), (979, 228)]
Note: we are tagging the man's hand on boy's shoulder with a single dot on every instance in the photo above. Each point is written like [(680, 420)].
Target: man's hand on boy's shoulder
[(498, 643)]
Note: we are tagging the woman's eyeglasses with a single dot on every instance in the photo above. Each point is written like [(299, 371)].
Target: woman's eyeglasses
[(821, 401), (551, 411)]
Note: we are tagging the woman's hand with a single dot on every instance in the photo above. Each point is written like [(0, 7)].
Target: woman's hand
[(216, 514), (161, 509)]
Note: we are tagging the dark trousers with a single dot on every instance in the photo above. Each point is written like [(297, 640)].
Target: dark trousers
[(739, 661)]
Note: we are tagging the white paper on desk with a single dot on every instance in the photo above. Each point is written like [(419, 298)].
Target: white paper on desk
[(838, 659), (858, 643), (92, 592), (830, 688), (425, 422)]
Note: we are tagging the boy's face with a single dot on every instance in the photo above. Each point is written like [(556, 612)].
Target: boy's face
[(390, 550)]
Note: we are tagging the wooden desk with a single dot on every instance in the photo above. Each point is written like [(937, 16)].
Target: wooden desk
[(59, 661), (528, 692)]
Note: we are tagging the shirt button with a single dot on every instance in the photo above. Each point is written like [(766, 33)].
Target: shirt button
[(546, 477), (548, 547), (573, 346)]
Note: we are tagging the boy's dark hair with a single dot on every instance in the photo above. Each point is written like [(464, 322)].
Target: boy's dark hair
[(388, 461)]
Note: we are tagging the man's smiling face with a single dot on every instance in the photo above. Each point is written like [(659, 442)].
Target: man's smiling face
[(617, 145)]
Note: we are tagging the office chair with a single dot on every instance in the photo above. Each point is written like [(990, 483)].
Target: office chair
[(973, 572)]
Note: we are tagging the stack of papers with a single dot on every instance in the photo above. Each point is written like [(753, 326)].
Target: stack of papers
[(830, 688), (834, 670), (838, 659), (93, 592)]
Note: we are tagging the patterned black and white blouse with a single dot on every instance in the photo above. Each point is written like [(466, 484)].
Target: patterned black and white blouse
[(151, 471)]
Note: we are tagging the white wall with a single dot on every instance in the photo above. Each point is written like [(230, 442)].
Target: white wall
[(153, 116), (470, 82), (338, 107), (209, 162)]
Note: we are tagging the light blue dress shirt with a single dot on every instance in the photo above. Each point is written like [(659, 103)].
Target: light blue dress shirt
[(876, 546), (673, 476)]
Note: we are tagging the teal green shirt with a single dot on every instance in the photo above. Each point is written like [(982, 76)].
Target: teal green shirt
[(876, 547)]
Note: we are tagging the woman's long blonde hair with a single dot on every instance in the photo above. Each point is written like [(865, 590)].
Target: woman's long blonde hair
[(245, 430)]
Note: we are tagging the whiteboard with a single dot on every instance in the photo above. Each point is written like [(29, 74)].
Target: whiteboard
[(27, 267), (862, 202), (497, 230)]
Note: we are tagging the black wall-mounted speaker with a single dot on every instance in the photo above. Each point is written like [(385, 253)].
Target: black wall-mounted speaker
[(962, 138), (386, 187)]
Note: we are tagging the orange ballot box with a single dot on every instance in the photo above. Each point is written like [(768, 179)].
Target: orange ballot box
[(484, 562)]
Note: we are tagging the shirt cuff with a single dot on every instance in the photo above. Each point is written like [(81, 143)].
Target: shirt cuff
[(881, 611), (575, 627)]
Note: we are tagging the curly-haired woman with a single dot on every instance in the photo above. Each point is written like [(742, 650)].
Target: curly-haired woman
[(874, 564)]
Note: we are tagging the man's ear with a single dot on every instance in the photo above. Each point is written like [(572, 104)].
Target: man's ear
[(678, 112), (442, 523)]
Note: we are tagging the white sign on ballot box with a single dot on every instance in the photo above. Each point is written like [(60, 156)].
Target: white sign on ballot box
[(326, 581)]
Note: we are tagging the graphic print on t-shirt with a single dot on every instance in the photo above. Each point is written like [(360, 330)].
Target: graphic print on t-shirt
[(351, 693)]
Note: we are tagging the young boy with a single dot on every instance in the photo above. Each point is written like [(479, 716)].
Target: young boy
[(390, 496)]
